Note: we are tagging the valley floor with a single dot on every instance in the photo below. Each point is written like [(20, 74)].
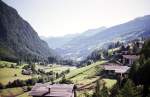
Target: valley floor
[(84, 77)]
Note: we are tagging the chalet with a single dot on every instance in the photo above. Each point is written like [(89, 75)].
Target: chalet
[(115, 69), (129, 59), (27, 72), (141, 43), (55, 90)]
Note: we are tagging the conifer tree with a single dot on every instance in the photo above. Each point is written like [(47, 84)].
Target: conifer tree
[(129, 90), (104, 92), (97, 89)]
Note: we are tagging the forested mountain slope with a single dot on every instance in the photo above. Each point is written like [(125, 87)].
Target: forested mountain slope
[(18, 38)]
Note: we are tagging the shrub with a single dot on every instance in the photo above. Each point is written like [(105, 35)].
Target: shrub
[(1, 86), (16, 83), (12, 66), (65, 81)]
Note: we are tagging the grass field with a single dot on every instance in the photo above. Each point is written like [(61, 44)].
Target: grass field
[(110, 82), (55, 68), (26, 94), (85, 69), (11, 92), (76, 75), (85, 72), (6, 63), (8, 74), (84, 77)]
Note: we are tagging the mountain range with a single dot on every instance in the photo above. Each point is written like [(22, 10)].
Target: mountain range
[(79, 46), (58, 42), (18, 39)]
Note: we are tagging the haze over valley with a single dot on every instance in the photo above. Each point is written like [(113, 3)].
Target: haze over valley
[(79, 46)]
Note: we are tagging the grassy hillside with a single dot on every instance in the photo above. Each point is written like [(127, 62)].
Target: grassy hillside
[(86, 74), (6, 63), (8, 74), (85, 77), (26, 94), (85, 70), (11, 92), (110, 82), (55, 68)]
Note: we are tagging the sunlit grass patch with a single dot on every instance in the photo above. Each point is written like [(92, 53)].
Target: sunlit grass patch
[(79, 71), (26, 94), (11, 92), (110, 82), (11, 74)]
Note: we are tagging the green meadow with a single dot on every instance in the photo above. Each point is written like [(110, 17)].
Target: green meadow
[(85, 77)]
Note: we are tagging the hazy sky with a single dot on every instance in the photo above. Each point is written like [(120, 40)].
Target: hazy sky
[(61, 17)]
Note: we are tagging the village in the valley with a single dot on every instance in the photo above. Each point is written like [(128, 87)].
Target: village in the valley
[(67, 81), (116, 68)]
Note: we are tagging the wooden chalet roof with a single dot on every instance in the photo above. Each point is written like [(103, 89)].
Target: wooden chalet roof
[(56, 90), (116, 68), (134, 57), (38, 90)]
